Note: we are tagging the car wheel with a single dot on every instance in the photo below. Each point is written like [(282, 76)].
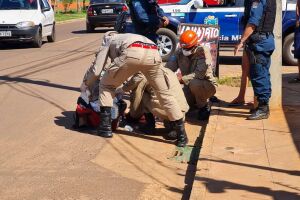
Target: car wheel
[(167, 42), (89, 28), (38, 38), (52, 37), (288, 50)]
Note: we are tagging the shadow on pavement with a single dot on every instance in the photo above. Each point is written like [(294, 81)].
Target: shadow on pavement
[(192, 164), (219, 186), (144, 136), (17, 45), (67, 120), (291, 106), (51, 62), (293, 172), (8, 79), (242, 111)]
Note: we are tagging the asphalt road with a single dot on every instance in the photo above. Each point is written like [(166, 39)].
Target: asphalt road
[(41, 157)]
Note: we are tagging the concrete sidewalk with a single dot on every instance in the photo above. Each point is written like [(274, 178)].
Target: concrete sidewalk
[(242, 159)]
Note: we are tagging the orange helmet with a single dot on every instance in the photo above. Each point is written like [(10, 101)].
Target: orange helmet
[(188, 39)]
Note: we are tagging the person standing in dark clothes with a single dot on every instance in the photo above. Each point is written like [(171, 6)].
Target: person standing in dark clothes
[(147, 18), (258, 39)]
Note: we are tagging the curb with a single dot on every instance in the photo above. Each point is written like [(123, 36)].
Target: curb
[(70, 21), (203, 166)]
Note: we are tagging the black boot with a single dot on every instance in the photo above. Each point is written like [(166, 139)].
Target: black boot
[(262, 112), (149, 127), (204, 113), (182, 139), (130, 120), (104, 129), (171, 133)]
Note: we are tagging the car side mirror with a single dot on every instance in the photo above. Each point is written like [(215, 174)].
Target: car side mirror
[(198, 4)]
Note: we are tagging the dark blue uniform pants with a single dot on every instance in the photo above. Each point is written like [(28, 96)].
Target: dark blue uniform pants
[(260, 75)]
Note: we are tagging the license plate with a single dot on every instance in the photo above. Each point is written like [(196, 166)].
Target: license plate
[(129, 20), (5, 33), (107, 11)]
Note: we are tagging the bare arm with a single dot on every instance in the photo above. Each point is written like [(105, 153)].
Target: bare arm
[(250, 28)]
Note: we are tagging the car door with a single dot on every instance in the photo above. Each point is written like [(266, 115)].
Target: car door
[(239, 7), (47, 17), (227, 16)]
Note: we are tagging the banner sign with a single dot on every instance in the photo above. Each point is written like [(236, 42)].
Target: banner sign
[(208, 36)]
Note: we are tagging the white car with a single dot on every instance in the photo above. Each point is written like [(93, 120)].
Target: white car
[(26, 21)]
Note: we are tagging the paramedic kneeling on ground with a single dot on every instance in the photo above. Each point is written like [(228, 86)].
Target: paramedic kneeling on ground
[(143, 101), (194, 62), (126, 55)]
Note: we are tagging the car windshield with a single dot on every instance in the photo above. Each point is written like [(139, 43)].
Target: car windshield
[(107, 1), (18, 4)]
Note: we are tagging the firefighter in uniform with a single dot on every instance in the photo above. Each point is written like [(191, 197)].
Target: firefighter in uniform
[(125, 55), (258, 40), (194, 62), (147, 17), (144, 100)]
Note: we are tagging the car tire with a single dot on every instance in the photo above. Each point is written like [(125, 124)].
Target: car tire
[(52, 37), (167, 43), (89, 28), (287, 50), (38, 38)]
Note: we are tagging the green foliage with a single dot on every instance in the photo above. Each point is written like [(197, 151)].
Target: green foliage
[(66, 4), (230, 81), (69, 15)]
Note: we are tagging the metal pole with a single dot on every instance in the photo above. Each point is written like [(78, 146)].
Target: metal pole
[(276, 61)]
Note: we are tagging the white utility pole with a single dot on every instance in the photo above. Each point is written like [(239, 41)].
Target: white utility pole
[(276, 61)]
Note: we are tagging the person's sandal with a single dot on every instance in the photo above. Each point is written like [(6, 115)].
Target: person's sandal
[(295, 80), (233, 104)]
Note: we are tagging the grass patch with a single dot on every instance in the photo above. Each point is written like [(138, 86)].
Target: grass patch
[(231, 81), (60, 16)]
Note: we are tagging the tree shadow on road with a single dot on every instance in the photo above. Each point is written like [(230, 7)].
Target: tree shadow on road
[(16, 45), (220, 186), (192, 164), (241, 111), (67, 120), (46, 83)]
